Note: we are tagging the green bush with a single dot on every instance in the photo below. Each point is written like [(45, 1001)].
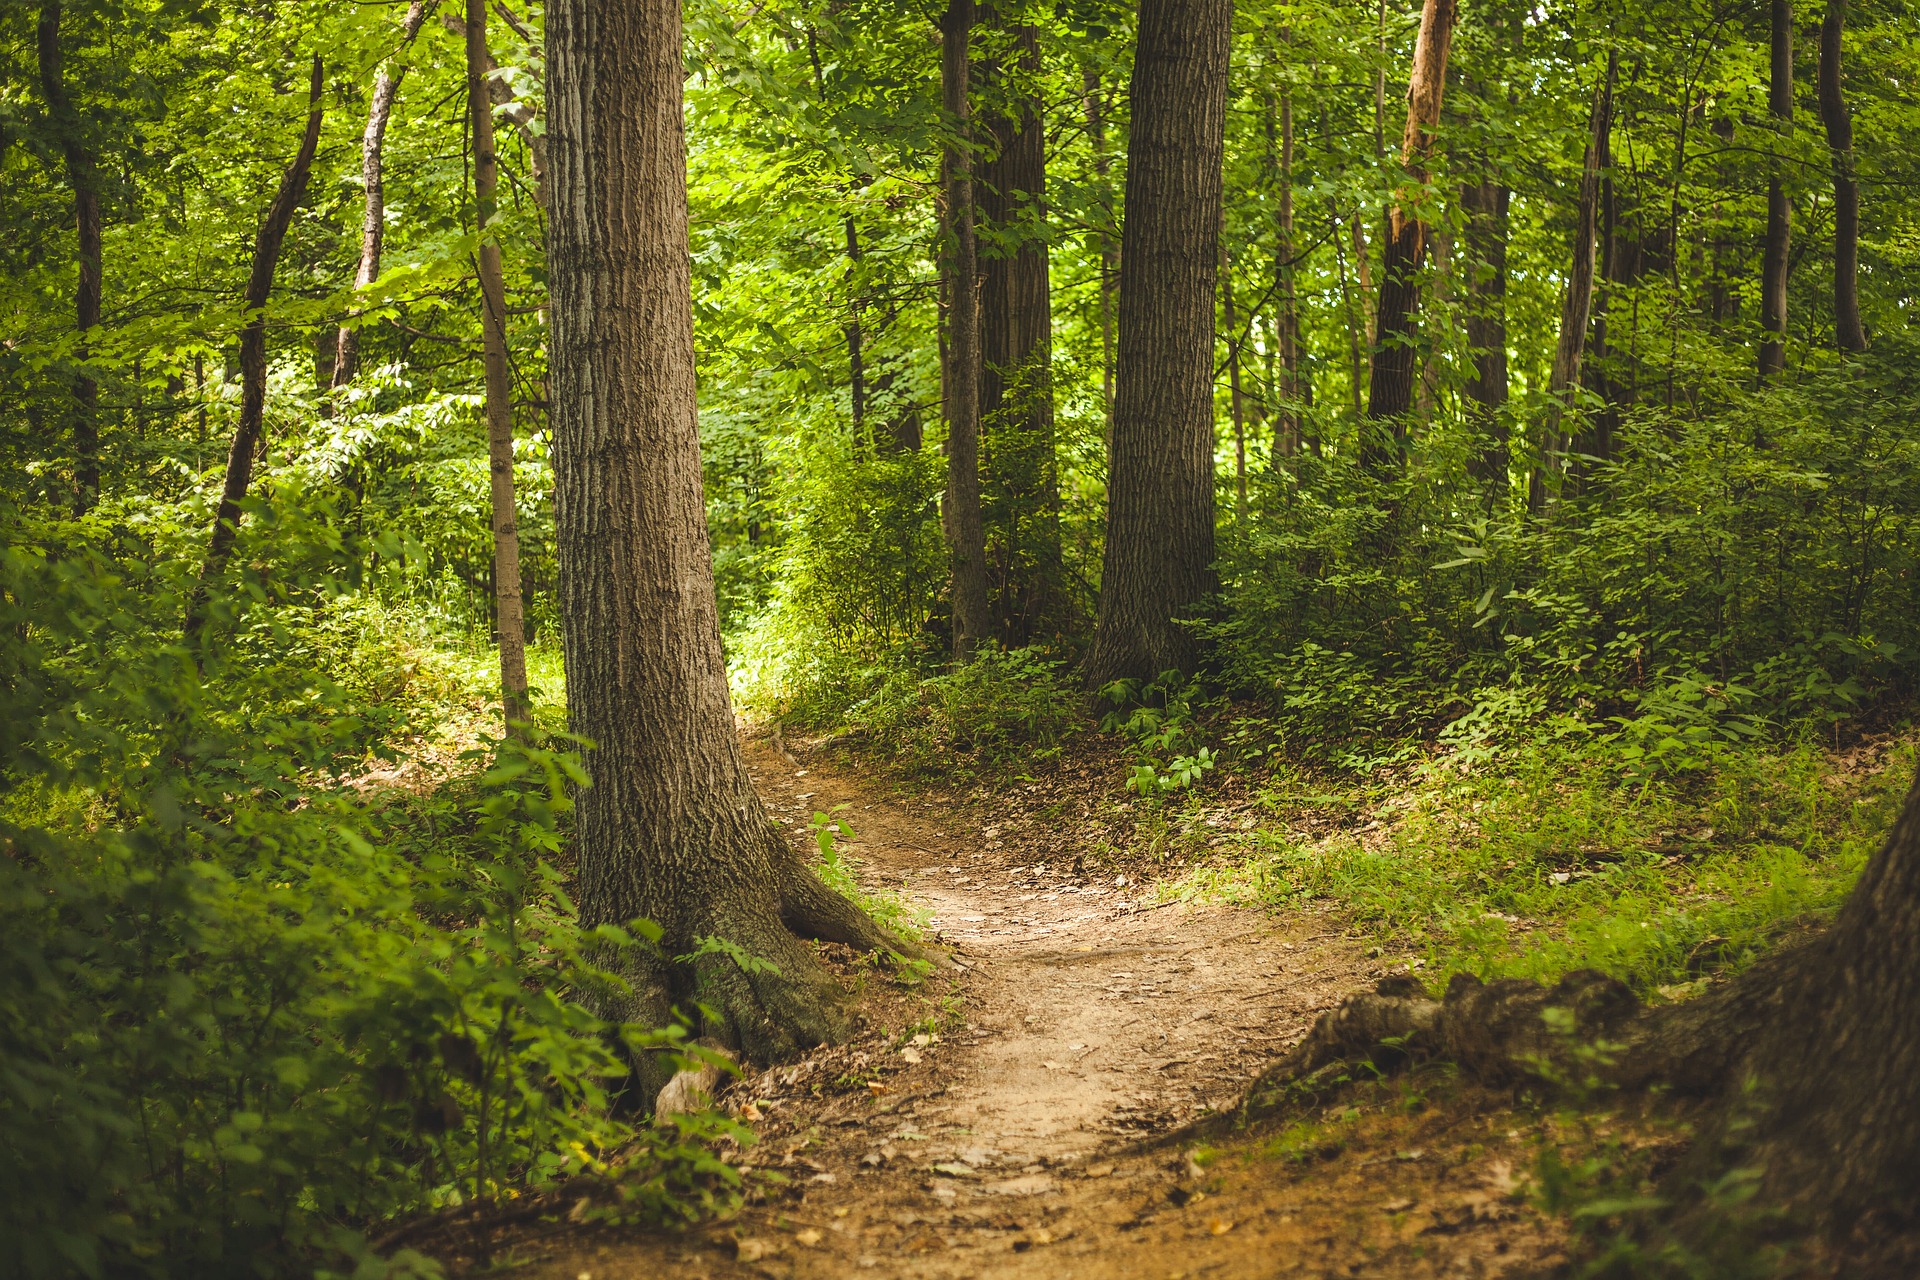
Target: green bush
[(1763, 549), (245, 1008), (1005, 702)]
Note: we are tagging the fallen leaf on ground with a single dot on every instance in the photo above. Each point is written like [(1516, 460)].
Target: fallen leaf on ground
[(809, 1236), (753, 1249), (954, 1169), (1219, 1226), (910, 1056)]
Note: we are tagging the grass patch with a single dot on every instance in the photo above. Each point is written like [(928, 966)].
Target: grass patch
[(1551, 859)]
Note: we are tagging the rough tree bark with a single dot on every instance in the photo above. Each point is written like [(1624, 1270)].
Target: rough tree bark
[(82, 176), (1576, 305), (1016, 349), (671, 829), (1390, 394), (253, 357), (1159, 553), (1777, 260), (509, 615), (1848, 333), (965, 532), (1813, 1053), (373, 222)]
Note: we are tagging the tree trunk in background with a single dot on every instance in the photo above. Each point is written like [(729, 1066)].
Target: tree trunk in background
[(856, 342), (509, 615), (1777, 260), (1576, 305), (253, 358), (671, 829), (373, 224), (1235, 403), (1356, 341), (82, 178), (1848, 333), (1159, 553), (1485, 204), (1109, 252), (1286, 421), (1363, 276), (1016, 371), (1390, 393), (965, 533)]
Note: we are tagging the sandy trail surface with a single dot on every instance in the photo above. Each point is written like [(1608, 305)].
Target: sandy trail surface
[(1020, 1112)]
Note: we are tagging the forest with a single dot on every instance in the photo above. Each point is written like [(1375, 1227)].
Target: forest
[(805, 638)]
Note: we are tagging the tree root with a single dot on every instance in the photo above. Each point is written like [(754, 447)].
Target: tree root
[(1587, 1030)]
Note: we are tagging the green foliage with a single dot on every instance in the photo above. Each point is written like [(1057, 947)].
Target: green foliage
[(244, 1002), (890, 910), (1697, 593), (1157, 720), (1003, 704), (1561, 859)]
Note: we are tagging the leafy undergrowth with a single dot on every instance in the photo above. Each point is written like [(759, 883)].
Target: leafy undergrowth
[(1551, 860), (269, 985)]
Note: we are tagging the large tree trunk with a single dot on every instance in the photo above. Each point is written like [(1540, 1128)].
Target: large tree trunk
[(1159, 553), (373, 221), (1777, 261), (1395, 356), (1016, 342), (509, 617), (671, 829), (253, 357), (81, 176), (1848, 333), (965, 531), (1576, 305)]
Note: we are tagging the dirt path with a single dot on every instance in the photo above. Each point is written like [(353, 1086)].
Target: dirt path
[(992, 1126)]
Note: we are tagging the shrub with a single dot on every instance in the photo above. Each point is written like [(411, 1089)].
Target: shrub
[(1004, 702), (243, 1006)]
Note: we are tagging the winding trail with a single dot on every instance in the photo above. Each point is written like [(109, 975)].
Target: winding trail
[(1007, 1140)]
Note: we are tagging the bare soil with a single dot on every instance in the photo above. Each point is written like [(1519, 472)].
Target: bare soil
[(1028, 1110)]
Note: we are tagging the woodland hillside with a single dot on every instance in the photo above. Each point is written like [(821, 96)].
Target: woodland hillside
[(604, 605)]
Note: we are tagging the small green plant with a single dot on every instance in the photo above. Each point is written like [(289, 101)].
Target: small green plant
[(1157, 719), (889, 909)]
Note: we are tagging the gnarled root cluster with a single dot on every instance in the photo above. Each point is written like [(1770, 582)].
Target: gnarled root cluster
[(1588, 1028)]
